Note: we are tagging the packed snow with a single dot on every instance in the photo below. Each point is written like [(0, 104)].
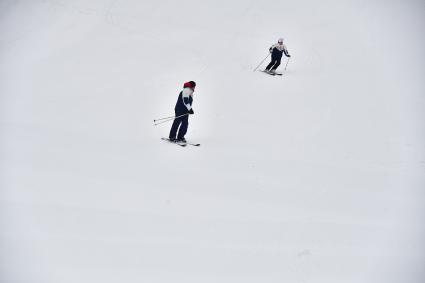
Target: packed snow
[(314, 176)]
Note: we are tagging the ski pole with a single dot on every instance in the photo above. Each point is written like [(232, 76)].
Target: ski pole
[(287, 63), (164, 121), (164, 118), (261, 62), (169, 119)]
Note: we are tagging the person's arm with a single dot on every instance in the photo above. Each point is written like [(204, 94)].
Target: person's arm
[(286, 51)]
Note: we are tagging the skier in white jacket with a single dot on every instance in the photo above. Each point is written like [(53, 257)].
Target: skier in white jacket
[(277, 50)]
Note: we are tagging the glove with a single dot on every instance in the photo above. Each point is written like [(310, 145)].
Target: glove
[(191, 111), (289, 56)]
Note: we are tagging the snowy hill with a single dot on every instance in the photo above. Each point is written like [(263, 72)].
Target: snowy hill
[(315, 176)]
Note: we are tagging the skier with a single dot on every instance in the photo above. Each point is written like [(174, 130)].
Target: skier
[(183, 108), (277, 51)]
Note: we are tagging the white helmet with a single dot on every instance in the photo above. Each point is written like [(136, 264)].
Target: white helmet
[(280, 40)]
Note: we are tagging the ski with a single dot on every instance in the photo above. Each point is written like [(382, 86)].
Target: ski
[(174, 142), (272, 74), (265, 72), (193, 144), (181, 143)]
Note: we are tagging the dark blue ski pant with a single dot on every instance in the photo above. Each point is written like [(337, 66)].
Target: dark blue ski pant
[(183, 123), (274, 63)]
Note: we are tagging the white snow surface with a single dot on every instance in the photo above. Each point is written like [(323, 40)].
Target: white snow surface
[(315, 176)]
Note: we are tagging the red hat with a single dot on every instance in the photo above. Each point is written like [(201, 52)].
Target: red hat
[(190, 84)]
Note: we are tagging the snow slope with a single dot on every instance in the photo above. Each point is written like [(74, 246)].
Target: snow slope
[(315, 176)]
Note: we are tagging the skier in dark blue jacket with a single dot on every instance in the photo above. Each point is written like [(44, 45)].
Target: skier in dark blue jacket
[(277, 50), (182, 110)]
